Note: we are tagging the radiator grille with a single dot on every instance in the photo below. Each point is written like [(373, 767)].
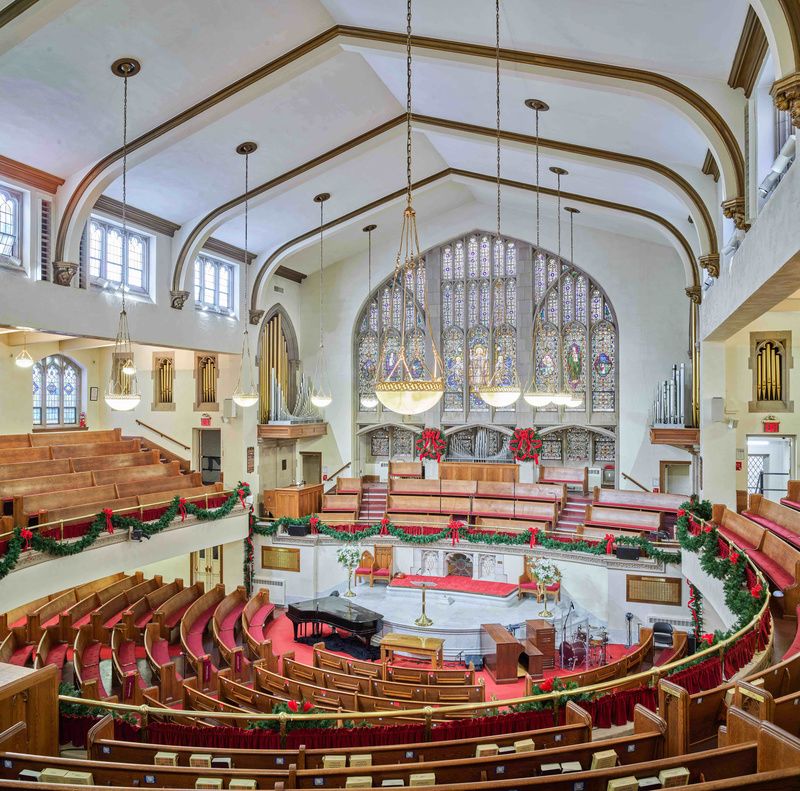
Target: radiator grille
[(45, 230), (276, 588)]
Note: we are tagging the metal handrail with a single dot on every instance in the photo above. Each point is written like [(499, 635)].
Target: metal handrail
[(162, 434), (633, 480), (333, 475), (427, 712)]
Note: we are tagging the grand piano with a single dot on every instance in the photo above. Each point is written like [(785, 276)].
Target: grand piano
[(337, 612)]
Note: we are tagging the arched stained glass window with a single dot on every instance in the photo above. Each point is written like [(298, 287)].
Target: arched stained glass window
[(10, 203), (56, 392)]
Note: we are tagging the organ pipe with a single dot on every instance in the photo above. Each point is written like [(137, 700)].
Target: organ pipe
[(669, 403), (769, 372), (273, 361)]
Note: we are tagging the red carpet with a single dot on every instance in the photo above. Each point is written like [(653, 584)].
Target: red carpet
[(458, 585), (279, 630)]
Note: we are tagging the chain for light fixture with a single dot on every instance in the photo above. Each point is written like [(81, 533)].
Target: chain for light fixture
[(245, 394), (24, 359), (408, 385), (369, 400), (321, 395), (502, 388), (122, 391)]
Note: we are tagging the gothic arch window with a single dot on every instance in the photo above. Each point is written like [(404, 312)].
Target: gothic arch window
[(10, 223), (378, 335), (56, 392), (479, 316), (575, 335)]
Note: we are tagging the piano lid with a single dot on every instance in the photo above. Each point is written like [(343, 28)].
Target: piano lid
[(337, 606)]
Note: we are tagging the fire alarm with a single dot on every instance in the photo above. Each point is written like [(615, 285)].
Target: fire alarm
[(738, 466)]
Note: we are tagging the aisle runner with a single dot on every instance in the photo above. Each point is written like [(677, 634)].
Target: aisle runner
[(457, 585)]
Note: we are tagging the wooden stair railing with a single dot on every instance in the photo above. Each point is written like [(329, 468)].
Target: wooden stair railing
[(634, 481)]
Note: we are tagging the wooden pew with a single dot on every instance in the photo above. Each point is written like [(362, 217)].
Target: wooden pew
[(739, 529), (531, 511), (168, 616), (337, 517), (140, 612), (432, 488), (114, 460), (33, 508), (47, 438), (622, 519), (405, 469), (348, 485), (34, 469), (568, 476), (778, 519), (145, 472), (94, 449), (195, 495), (504, 525), (159, 484), (401, 518), (18, 455), (226, 617), (546, 492), (334, 503), (434, 504), (102, 746), (640, 501), (109, 614), (85, 512), (15, 441), (18, 487), (193, 625), (792, 499), (257, 614)]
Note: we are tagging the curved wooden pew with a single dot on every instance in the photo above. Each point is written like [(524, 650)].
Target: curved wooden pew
[(169, 614), (136, 617), (227, 616), (193, 625), (257, 613), (778, 519)]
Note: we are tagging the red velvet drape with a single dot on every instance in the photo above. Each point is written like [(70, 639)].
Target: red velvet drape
[(704, 675), (616, 708)]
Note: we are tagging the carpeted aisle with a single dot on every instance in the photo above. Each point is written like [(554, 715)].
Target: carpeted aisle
[(457, 585)]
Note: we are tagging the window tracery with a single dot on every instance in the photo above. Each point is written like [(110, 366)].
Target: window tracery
[(56, 392)]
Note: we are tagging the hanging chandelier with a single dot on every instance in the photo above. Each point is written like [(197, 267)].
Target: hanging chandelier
[(369, 400), (245, 394), (122, 391), (24, 359), (502, 389), (321, 395), (408, 385)]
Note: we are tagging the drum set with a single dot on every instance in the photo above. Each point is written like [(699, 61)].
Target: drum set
[(586, 647)]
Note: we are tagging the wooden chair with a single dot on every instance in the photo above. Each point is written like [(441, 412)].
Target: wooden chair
[(366, 567), (383, 563)]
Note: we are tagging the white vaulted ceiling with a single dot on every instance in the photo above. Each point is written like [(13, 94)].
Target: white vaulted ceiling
[(61, 106)]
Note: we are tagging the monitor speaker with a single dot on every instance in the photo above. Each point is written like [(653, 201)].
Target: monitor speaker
[(627, 553), (297, 529)]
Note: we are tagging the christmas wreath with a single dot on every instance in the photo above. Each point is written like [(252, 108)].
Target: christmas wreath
[(525, 444), (431, 445)]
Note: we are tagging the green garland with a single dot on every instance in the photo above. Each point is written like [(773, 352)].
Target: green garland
[(60, 549), (471, 536)]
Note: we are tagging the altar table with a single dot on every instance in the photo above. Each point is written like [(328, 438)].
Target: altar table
[(428, 647)]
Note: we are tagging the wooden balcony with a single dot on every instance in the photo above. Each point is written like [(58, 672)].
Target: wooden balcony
[(294, 431), (683, 438)]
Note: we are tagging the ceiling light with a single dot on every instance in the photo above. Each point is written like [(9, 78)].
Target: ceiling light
[(410, 386), (122, 391), (245, 394), (23, 359)]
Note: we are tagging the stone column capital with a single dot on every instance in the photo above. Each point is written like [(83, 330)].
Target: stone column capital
[(710, 263), (695, 294), (178, 299), (256, 316), (733, 209), (64, 272), (786, 95)]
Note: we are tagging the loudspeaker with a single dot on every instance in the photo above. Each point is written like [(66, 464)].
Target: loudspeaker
[(691, 643), (627, 553), (297, 529)]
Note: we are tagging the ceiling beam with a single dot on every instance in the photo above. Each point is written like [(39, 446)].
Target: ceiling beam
[(687, 98), (29, 175), (750, 54), (690, 195), (667, 226), (79, 344), (137, 217)]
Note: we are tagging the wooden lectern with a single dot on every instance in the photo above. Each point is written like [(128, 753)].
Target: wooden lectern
[(501, 652), (295, 501)]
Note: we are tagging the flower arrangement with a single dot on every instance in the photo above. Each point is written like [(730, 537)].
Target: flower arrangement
[(348, 557), (545, 571)]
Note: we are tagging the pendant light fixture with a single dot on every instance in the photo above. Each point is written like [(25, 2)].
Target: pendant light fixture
[(502, 389), (533, 395), (245, 394), (122, 391), (321, 395), (369, 400), (23, 359), (408, 385)]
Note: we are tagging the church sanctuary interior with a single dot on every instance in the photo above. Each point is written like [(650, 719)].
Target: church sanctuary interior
[(400, 393)]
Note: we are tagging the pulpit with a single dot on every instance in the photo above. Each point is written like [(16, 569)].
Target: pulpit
[(297, 501)]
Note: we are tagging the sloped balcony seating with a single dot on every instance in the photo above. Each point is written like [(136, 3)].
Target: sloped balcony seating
[(415, 504), (778, 519), (513, 509), (48, 438), (792, 499), (546, 492), (35, 469), (778, 560), (569, 476), (146, 472), (135, 458), (432, 488), (641, 501), (622, 518)]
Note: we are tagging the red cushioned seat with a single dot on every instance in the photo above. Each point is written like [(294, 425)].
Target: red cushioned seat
[(143, 620), (736, 538), (113, 620), (553, 588), (227, 639), (363, 570), (175, 618), (794, 648), (786, 534), (790, 503), (229, 621), (259, 620), (529, 586), (19, 622), (126, 654), (776, 573), (52, 621), (57, 655), (21, 655), (160, 652), (82, 621)]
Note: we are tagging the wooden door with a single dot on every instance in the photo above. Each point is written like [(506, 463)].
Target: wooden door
[(312, 467), (207, 566)]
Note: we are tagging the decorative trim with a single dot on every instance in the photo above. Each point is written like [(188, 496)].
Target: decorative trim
[(64, 272), (641, 76), (750, 54), (290, 274), (218, 247), (137, 217), (791, 11), (14, 9), (710, 263), (734, 210), (567, 196), (256, 316), (710, 167), (27, 174), (178, 299), (786, 95), (695, 294)]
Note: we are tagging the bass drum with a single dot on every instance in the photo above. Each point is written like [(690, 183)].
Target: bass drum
[(572, 655)]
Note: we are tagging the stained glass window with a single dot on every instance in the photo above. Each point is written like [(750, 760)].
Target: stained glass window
[(604, 448), (10, 203), (56, 392), (603, 365), (113, 260)]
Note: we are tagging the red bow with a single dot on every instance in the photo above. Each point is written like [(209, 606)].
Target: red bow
[(546, 685), (681, 512), (307, 706), (609, 539), (182, 508), (108, 513), (313, 523), (733, 557), (455, 526), (293, 706), (241, 492), (707, 529), (533, 537), (27, 535), (708, 638), (385, 526), (756, 590)]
